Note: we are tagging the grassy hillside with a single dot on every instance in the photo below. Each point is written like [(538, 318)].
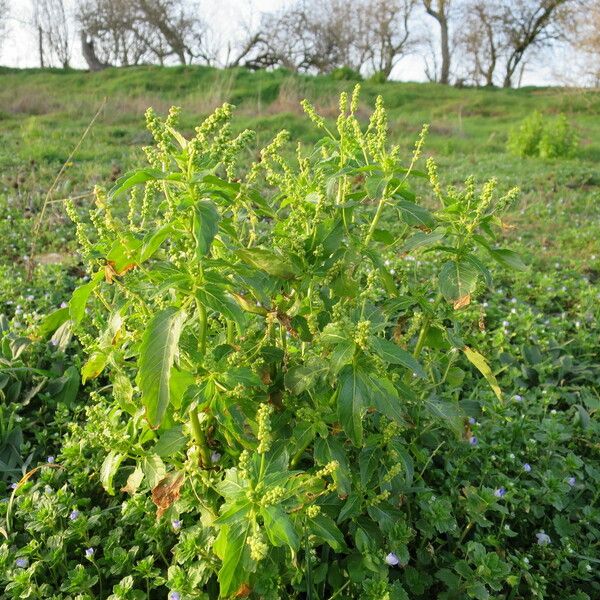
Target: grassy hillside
[(43, 115), (490, 497)]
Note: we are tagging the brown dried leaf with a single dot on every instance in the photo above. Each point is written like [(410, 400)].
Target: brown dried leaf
[(462, 302), (167, 492), (244, 591)]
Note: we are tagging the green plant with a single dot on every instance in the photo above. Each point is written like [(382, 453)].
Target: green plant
[(559, 139), (252, 320), (546, 138), (378, 78), (346, 74)]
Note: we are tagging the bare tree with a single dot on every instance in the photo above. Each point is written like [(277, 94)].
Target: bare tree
[(178, 26), (109, 29), (480, 39), (52, 28), (583, 35), (4, 15), (530, 24), (322, 35), (384, 33), (310, 35), (440, 11), (128, 32)]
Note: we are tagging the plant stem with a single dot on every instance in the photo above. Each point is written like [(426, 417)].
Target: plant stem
[(230, 331), (200, 438), (340, 590), (375, 221), (421, 338), (202, 322)]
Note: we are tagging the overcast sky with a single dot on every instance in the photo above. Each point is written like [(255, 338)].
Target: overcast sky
[(19, 48)]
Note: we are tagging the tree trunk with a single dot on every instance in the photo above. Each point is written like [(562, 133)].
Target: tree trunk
[(87, 49), (445, 47), (441, 17), (41, 45)]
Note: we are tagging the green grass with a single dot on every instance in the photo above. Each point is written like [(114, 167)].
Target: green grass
[(538, 329), (44, 113)]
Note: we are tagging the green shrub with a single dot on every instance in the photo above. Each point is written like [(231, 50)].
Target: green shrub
[(259, 326), (547, 138), (558, 140), (378, 77), (285, 370), (345, 74)]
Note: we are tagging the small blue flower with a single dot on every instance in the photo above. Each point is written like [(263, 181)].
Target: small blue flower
[(89, 552), (392, 560), (527, 468), (572, 481), (74, 515), (174, 596), (543, 539), (215, 457), (500, 492), (50, 460), (22, 563), (472, 420), (176, 523), (13, 486), (473, 441), (518, 397)]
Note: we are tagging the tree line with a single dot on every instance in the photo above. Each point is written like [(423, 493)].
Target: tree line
[(474, 42)]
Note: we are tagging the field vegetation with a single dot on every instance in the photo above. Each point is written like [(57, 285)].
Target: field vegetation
[(349, 361)]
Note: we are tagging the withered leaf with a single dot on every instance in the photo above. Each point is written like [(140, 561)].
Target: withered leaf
[(167, 492)]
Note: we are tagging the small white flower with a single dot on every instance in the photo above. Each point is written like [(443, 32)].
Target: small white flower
[(392, 560), (543, 539)]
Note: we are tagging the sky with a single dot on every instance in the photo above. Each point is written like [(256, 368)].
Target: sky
[(19, 47)]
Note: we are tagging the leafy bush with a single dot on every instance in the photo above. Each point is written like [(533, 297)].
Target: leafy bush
[(378, 77), (536, 136), (284, 363), (346, 74), (559, 139)]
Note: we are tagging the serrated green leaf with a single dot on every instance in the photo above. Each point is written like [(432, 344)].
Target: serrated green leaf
[(156, 355), (394, 355), (80, 297), (154, 469), (94, 366), (170, 442), (133, 178), (206, 225), (50, 323), (507, 258), (415, 215), (279, 527), (267, 261), (325, 529), (458, 279), (109, 467), (232, 548), (352, 401)]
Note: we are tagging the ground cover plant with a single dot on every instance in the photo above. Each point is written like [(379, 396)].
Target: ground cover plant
[(282, 301), (546, 138)]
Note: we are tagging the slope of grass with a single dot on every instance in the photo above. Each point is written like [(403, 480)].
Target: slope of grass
[(43, 114)]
